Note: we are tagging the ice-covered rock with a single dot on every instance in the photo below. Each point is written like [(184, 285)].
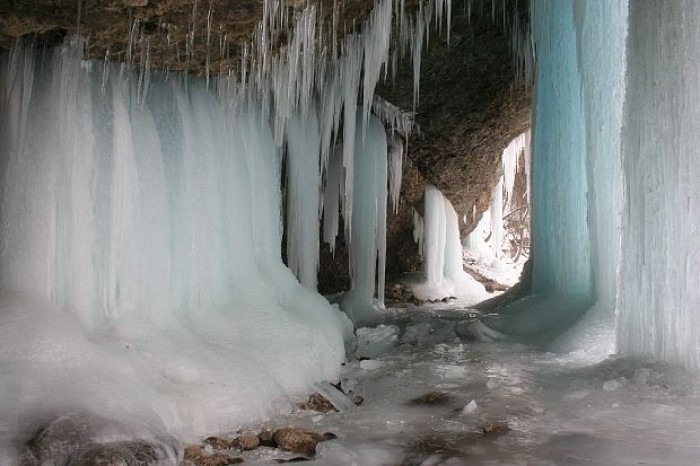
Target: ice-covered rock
[(416, 334), (373, 342), (641, 376), (338, 399), (611, 385), (470, 408), (371, 364)]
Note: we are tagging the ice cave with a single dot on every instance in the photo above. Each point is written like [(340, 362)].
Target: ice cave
[(349, 232)]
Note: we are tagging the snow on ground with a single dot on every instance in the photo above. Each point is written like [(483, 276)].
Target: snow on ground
[(562, 409)]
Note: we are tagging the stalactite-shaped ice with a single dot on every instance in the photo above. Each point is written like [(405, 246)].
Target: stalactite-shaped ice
[(434, 236), (333, 188), (443, 270), (368, 241), (304, 183), (496, 211), (140, 251), (395, 170)]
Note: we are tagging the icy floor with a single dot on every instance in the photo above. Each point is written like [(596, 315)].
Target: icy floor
[(561, 410)]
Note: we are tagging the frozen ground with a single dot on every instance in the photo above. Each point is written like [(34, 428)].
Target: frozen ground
[(561, 409)]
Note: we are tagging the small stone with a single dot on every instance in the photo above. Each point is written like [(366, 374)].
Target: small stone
[(495, 428), (432, 398), (194, 452), (318, 403), (297, 440), (198, 456), (358, 400), (266, 437), (248, 440), (218, 443)]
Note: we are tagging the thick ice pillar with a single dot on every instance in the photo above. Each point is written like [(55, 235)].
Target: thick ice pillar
[(304, 177), (576, 177), (659, 300), (560, 232), (368, 230)]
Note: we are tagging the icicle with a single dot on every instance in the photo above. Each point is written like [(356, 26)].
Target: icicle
[(418, 231), (368, 243), (393, 117), (434, 235), (304, 181), (497, 218), (376, 38), (416, 56), (331, 197), (395, 170), (509, 161)]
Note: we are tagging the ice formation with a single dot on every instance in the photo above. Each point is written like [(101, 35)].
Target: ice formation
[(659, 294), (443, 271), (368, 233), (141, 224), (141, 253), (575, 171), (303, 199)]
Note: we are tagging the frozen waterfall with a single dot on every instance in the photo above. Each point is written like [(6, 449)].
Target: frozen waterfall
[(614, 164), (144, 237), (443, 271), (659, 300)]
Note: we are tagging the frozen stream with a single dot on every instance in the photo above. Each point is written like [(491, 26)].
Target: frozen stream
[(561, 410)]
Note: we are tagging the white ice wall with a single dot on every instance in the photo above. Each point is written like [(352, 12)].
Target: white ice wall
[(368, 240), (141, 276), (660, 290)]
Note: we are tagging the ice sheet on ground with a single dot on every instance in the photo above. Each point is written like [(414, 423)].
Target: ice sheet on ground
[(555, 406), (373, 342)]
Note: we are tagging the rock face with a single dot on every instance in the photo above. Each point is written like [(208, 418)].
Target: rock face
[(116, 25)]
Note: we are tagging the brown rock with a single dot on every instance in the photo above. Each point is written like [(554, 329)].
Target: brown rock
[(199, 457), (193, 452), (248, 440), (317, 402), (495, 428), (266, 437), (358, 400), (297, 440), (218, 443), (432, 398)]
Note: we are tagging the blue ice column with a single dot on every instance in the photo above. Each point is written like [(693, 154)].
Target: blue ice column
[(580, 51), (561, 243)]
